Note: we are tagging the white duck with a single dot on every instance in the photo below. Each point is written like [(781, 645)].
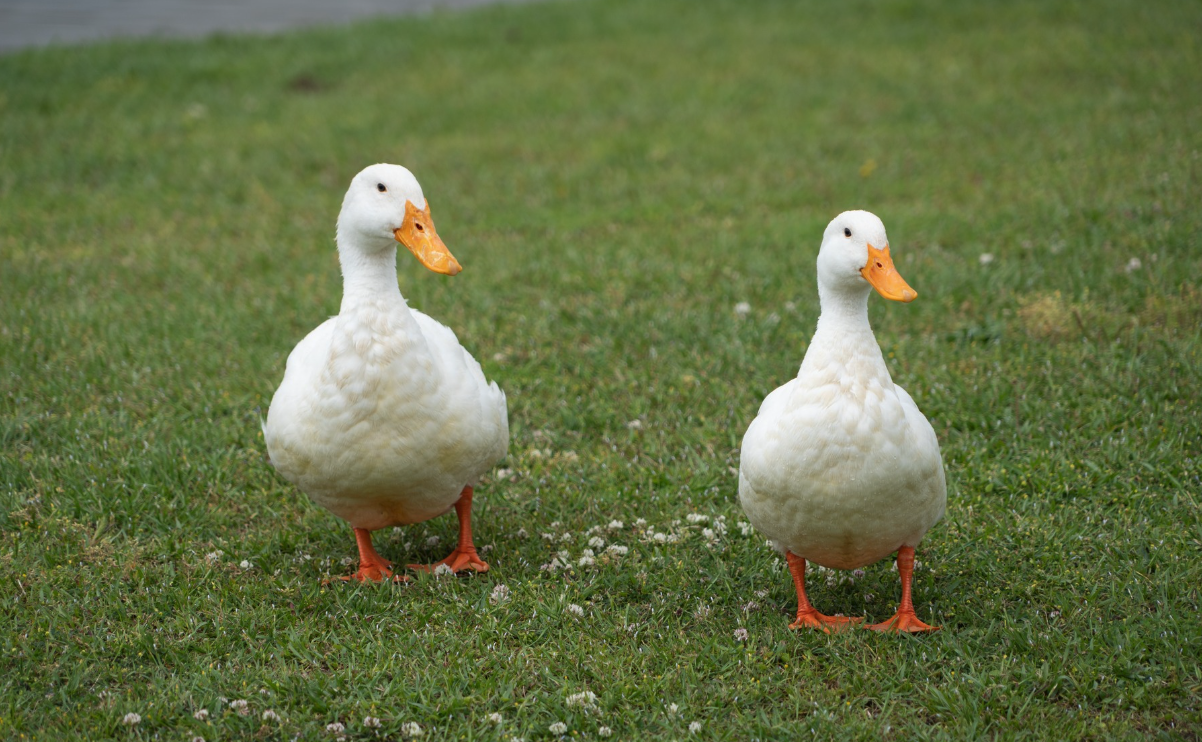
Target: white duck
[(840, 467), (382, 417)]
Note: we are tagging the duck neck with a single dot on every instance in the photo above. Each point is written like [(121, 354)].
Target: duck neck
[(368, 276), (844, 313), (843, 344)]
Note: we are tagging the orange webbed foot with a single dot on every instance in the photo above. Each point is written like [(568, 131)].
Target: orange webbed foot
[(459, 560), (902, 621), (372, 566), (829, 624)]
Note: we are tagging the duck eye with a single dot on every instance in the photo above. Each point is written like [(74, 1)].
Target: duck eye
[(419, 226), (381, 187), (846, 232)]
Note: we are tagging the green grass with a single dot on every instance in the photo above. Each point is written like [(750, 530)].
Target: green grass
[(615, 177)]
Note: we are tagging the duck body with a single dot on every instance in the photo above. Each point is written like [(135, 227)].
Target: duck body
[(839, 466), (382, 417)]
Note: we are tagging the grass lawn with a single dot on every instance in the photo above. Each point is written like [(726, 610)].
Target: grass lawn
[(616, 177)]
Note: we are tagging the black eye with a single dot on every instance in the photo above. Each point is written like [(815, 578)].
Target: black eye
[(381, 187), (846, 232)]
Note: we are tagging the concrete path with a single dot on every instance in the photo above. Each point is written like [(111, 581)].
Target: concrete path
[(25, 23)]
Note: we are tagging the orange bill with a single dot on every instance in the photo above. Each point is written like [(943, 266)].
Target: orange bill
[(880, 272), (417, 233)]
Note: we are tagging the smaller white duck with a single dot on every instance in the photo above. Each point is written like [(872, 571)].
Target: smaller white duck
[(382, 417), (839, 467)]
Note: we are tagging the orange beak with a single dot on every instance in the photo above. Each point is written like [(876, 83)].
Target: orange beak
[(880, 272), (417, 233)]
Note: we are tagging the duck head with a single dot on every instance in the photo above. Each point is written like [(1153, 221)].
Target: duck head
[(854, 258), (385, 205)]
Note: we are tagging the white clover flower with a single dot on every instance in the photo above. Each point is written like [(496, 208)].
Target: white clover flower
[(869, 597), (214, 556), (761, 593), (549, 536), (743, 309), (617, 550), (596, 542), (640, 523), (858, 573), (132, 719), (411, 729), (197, 738), (558, 728), (585, 699), (563, 555), (433, 541), (335, 727), (660, 537), (1133, 265), (741, 634), (347, 561), (371, 722), (270, 715), (592, 530), (241, 706), (575, 610), (696, 518), (522, 533), (635, 424), (708, 534), (605, 731), (495, 718), (985, 258), (245, 564), (503, 474), (443, 570), (695, 727), (750, 606), (616, 525), (565, 536), (587, 559), (499, 595), (672, 538), (201, 714), (702, 611), (672, 709)]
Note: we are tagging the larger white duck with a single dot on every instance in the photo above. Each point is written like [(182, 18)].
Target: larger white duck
[(382, 417), (840, 467)]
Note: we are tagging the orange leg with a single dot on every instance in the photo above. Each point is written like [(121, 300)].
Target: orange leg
[(806, 614), (372, 566), (464, 557), (905, 619)]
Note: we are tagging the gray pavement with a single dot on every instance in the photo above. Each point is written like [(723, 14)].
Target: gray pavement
[(26, 23)]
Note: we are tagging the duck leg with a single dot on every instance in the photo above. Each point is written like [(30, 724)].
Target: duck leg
[(464, 557), (372, 566), (807, 615), (905, 619)]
